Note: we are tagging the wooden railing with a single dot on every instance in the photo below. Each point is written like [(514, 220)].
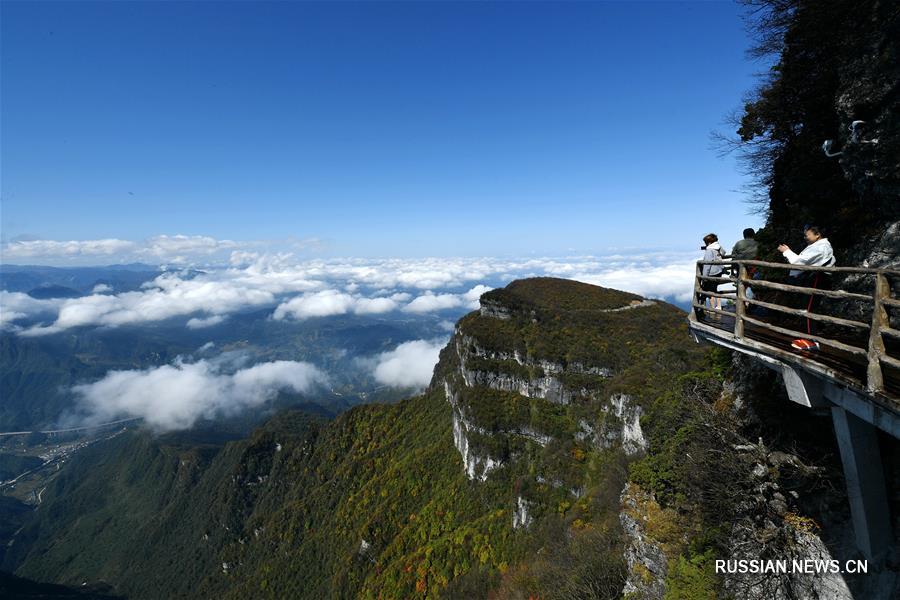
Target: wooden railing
[(877, 298)]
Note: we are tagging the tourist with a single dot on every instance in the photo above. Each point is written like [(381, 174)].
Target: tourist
[(712, 251), (818, 253)]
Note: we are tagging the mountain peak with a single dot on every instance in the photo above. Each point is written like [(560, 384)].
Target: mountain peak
[(556, 295), (540, 361)]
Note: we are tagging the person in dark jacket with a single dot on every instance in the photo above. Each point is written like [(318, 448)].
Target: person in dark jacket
[(747, 248)]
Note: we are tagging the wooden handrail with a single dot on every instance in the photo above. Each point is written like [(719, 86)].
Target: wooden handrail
[(713, 310), (717, 278), (891, 361), (784, 287), (894, 333), (880, 319), (810, 315), (881, 300), (790, 267), (740, 305), (822, 340), (729, 296)]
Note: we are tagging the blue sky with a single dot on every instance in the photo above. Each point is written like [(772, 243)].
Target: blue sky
[(380, 129)]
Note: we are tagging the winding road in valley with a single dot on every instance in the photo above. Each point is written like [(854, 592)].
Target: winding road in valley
[(72, 429)]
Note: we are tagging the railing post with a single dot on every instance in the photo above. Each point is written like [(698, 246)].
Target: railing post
[(740, 306), (874, 376), (698, 298)]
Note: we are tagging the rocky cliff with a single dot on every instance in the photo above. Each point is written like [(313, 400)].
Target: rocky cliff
[(821, 135), (514, 380)]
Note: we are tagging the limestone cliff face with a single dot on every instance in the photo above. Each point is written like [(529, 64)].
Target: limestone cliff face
[(507, 398), (535, 378), (646, 559), (652, 544), (796, 506), (767, 525)]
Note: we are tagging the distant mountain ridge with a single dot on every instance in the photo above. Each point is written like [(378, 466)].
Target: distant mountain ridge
[(30, 278)]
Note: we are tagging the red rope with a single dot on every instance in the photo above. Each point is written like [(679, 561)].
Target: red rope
[(809, 305)]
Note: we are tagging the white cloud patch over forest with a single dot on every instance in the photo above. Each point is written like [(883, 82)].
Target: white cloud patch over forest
[(176, 396), (409, 365)]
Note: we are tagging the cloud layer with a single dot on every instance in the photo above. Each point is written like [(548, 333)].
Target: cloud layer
[(165, 249), (303, 289), (176, 396)]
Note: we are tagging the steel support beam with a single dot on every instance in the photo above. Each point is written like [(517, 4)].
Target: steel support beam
[(861, 457)]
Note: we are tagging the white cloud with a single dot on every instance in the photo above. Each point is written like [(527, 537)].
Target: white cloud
[(66, 249), (331, 302), (666, 281), (408, 365), (169, 295), (473, 295), (318, 304), (184, 248), (430, 302), (299, 289), (101, 288), (371, 306), (166, 249), (198, 323), (18, 305), (176, 396)]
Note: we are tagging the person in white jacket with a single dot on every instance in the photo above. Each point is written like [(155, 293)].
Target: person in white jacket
[(818, 252)]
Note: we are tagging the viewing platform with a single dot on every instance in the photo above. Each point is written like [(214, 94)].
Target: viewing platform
[(853, 373)]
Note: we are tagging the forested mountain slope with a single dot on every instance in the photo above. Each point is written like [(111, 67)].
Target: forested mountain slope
[(521, 441)]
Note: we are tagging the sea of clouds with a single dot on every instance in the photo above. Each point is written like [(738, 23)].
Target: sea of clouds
[(177, 395), (301, 289)]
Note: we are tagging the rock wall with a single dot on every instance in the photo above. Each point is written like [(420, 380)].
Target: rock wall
[(620, 428)]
